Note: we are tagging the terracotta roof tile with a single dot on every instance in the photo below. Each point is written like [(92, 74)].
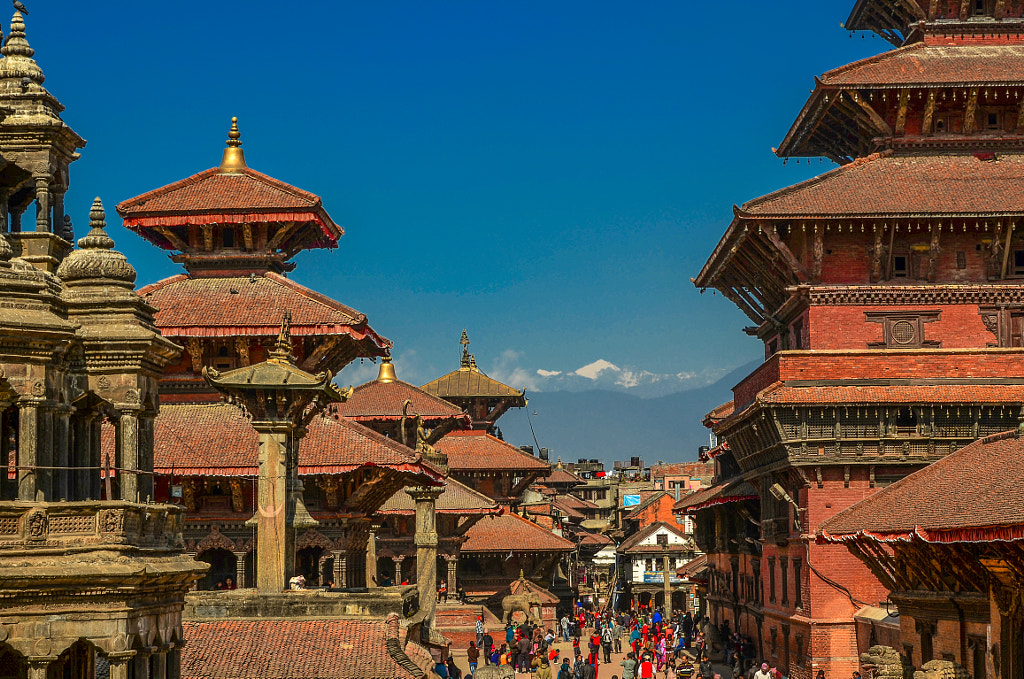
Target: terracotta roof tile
[(208, 307), (921, 64), (632, 543), (471, 450), (384, 401), (553, 508), (945, 393), (216, 438), (976, 493), (466, 383), (693, 568), (212, 197), (511, 533), (456, 499), (733, 490), (292, 649), (560, 475), (886, 184)]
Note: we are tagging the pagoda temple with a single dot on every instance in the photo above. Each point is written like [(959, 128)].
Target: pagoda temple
[(234, 230), (887, 294)]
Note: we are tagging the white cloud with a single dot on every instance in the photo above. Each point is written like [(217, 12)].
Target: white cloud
[(506, 369), (548, 373)]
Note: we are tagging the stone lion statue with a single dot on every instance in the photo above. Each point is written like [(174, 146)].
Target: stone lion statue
[(713, 638), (529, 604), (494, 672), (885, 662), (941, 669)]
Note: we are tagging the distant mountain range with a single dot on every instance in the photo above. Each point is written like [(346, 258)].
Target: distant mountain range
[(616, 425), (602, 374)]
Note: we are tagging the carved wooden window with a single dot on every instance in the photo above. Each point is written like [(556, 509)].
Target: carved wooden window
[(798, 334), (798, 600), (784, 566), (992, 121), (926, 630), (900, 266), (1007, 325), (903, 330), (961, 259)]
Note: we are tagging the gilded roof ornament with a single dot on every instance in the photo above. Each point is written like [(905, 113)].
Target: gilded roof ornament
[(464, 341), (96, 258), (282, 351), (233, 159)]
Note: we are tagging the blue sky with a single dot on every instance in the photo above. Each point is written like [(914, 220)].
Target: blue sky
[(547, 175)]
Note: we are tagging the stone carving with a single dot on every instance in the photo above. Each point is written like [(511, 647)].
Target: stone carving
[(38, 388), (215, 540), (103, 382), (36, 525), (237, 502), (495, 672), (529, 604), (72, 524), (329, 485), (713, 637), (188, 495), (242, 347), (941, 669), (195, 352), (112, 520), (884, 662), (131, 397), (313, 538)]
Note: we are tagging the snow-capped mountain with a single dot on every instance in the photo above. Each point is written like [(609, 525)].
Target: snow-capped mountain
[(603, 374)]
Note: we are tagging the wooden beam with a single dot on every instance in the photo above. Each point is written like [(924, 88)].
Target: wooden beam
[(773, 237), (751, 312), (901, 115), (873, 116), (168, 233), (929, 111), (283, 232), (971, 112), (933, 252), (1006, 250), (817, 253)]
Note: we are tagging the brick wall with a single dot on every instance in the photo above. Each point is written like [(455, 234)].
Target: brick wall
[(846, 327)]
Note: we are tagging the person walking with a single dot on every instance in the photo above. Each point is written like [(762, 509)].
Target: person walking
[(479, 631), (565, 628), (473, 656), (628, 666), (763, 673), (488, 644), (606, 642)]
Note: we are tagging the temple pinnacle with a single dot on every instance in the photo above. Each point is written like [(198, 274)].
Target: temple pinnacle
[(233, 159)]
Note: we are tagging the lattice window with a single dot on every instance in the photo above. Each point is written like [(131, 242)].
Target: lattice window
[(790, 422)]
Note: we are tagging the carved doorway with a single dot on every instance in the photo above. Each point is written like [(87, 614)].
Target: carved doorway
[(77, 662), (307, 562), (223, 566), (12, 664)]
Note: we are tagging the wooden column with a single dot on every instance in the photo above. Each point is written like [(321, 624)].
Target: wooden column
[(43, 202), (275, 538), (929, 111), (901, 114), (371, 555)]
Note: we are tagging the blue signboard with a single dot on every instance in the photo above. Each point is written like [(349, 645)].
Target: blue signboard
[(630, 500)]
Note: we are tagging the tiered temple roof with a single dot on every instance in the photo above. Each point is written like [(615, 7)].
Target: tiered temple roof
[(507, 533)]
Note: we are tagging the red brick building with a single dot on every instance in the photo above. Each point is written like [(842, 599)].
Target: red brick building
[(947, 542), (887, 295)]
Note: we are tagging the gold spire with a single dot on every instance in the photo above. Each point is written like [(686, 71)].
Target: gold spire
[(387, 371), (282, 351), (233, 159)]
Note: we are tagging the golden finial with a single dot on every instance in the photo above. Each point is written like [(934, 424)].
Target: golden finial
[(387, 371), (283, 346), (233, 159)]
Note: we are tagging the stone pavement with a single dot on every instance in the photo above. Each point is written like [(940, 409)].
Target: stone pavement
[(604, 671)]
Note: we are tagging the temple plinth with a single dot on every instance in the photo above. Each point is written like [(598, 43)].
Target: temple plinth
[(281, 400)]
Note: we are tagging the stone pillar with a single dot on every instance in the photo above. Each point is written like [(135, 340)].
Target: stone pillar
[(668, 589), (28, 440), (275, 538), (145, 448), (62, 489), (57, 211), (240, 570), (340, 569), (426, 547), (82, 485), (453, 564), (160, 666), (128, 454), (398, 568), (16, 213), (37, 666), (119, 664), (141, 665), (371, 555), (43, 202), (95, 456)]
